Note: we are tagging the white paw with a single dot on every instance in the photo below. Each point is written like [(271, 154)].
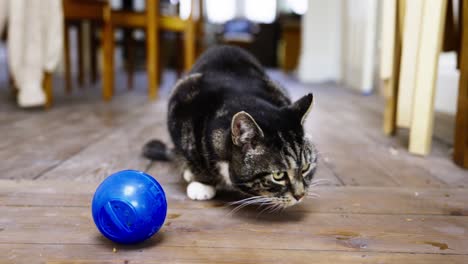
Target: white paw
[(188, 176), (200, 191)]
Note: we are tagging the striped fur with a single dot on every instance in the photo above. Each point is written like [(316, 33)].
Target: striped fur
[(234, 127)]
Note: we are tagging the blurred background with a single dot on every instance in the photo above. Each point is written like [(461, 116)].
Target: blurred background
[(397, 65), (84, 84)]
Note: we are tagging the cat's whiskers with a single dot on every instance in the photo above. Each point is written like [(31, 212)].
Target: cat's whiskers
[(320, 182), (313, 195), (275, 207), (260, 200), (279, 204), (246, 199)]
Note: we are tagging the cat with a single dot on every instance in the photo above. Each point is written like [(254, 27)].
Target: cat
[(236, 129)]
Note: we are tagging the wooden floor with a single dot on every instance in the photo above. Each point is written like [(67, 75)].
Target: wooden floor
[(382, 205)]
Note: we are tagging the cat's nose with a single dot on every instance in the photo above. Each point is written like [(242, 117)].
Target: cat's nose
[(299, 196)]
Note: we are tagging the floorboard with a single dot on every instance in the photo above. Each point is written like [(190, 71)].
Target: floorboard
[(31, 155), (119, 149), (197, 228), (379, 204), (351, 200), (155, 253)]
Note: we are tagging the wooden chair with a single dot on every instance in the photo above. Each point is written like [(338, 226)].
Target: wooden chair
[(460, 154), (98, 12), (413, 33), (152, 22)]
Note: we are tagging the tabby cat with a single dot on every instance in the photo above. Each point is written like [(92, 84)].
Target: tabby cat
[(236, 129)]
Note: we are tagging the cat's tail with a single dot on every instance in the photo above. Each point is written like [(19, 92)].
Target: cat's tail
[(157, 150)]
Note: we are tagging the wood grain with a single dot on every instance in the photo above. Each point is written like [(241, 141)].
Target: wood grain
[(411, 214), (155, 253), (368, 146), (162, 254), (60, 136), (333, 200), (117, 150), (247, 229)]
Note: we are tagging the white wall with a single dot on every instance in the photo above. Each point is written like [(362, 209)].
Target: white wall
[(447, 84), (359, 30), (323, 57), (321, 42)]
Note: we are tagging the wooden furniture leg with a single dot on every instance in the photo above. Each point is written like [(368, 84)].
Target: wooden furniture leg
[(107, 54), (409, 57), (426, 73), (461, 126), (66, 50), (450, 41), (391, 44), (461, 27), (11, 83), (130, 62), (180, 60), (152, 47), (189, 41), (128, 43), (93, 52), (47, 86), (79, 39), (200, 31)]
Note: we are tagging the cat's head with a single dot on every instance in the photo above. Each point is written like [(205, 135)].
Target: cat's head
[(272, 157)]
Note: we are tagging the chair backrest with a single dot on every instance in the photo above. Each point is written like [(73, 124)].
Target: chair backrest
[(84, 9)]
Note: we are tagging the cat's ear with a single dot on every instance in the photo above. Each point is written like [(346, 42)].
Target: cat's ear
[(303, 106), (186, 87), (244, 129)]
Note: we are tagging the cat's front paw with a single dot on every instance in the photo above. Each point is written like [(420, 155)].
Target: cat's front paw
[(200, 191)]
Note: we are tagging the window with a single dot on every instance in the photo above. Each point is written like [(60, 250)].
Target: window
[(298, 6), (185, 8), (220, 11), (262, 11)]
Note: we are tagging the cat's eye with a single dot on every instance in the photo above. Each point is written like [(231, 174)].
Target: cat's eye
[(278, 176), (305, 168)]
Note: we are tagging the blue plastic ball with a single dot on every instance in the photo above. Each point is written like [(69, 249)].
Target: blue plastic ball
[(129, 207)]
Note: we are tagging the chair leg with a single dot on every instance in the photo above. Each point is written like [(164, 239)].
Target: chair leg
[(93, 53), (461, 29), (409, 57), (66, 50), (189, 46), (461, 127), (130, 62), (79, 34), (47, 86), (152, 47), (107, 55), (390, 70), (426, 73), (11, 83), (180, 60)]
